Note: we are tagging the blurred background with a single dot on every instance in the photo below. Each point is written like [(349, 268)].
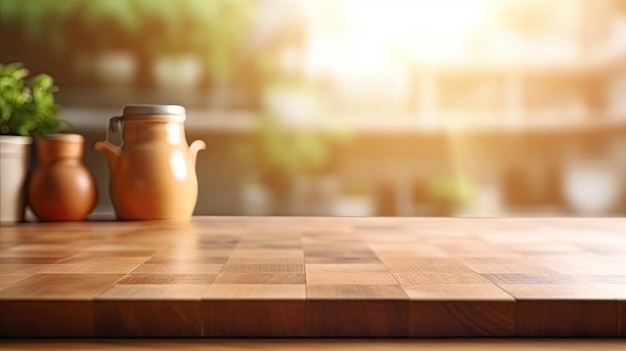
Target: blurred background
[(355, 107)]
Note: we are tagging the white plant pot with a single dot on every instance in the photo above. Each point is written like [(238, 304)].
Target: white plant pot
[(14, 157)]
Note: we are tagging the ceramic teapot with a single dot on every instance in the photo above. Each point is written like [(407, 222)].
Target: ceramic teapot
[(152, 172)]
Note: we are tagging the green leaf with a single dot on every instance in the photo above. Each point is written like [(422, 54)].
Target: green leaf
[(41, 82), (27, 107)]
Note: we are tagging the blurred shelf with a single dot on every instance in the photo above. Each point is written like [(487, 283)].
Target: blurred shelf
[(96, 118), (601, 60), (115, 96)]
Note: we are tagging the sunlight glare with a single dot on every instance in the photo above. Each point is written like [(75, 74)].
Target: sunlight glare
[(350, 37)]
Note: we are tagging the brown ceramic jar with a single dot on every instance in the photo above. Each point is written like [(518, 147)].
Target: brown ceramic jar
[(61, 188), (153, 174)]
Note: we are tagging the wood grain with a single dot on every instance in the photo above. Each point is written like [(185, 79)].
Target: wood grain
[(622, 319), (315, 276), (60, 287), (46, 318), (89, 268), (462, 318), (256, 292), (355, 292), (425, 266), (566, 318), (457, 292), (259, 278), (144, 318), (440, 278), (157, 292), (20, 268), (307, 344), (149, 279), (8, 280), (361, 278), (555, 292), (357, 318), (275, 268), (177, 268), (255, 318)]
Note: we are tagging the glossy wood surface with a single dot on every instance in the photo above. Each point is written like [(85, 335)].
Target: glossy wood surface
[(315, 277), (317, 344)]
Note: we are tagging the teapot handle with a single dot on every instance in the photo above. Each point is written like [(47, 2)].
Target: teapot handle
[(114, 126)]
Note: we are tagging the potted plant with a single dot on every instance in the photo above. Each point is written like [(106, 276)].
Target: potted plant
[(447, 195), (125, 41), (280, 154), (196, 39), (27, 109)]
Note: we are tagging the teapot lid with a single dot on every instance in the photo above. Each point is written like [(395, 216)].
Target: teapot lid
[(144, 110)]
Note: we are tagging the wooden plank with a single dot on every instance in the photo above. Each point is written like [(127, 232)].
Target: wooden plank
[(146, 318), (149, 310), (622, 319), (177, 268), (112, 267), (441, 318), (309, 344), (21, 268), (457, 292), (275, 268), (440, 278), (157, 292), (8, 280), (256, 292), (355, 292), (254, 318), (194, 279), (76, 287), (560, 318), (357, 318), (259, 278), (46, 318), (360, 278), (493, 265), (578, 291)]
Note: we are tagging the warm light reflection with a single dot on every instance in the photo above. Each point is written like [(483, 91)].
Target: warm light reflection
[(356, 36), (350, 37), (178, 165), (173, 133)]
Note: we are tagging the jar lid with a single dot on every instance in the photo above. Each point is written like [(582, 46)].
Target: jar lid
[(158, 110)]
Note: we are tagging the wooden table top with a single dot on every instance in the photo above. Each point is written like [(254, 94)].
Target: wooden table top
[(317, 344), (313, 276)]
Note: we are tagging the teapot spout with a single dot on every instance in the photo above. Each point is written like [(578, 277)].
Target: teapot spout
[(194, 148), (110, 151)]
